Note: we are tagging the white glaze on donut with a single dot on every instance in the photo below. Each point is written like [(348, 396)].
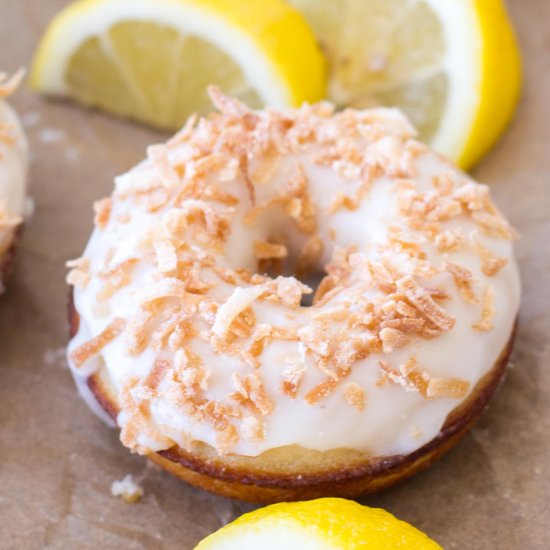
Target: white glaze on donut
[(406, 234), (13, 168)]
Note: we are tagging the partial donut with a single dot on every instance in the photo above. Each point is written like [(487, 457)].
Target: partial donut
[(13, 176), (191, 327)]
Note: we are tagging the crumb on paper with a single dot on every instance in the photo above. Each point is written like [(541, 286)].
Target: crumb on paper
[(51, 135), (127, 489)]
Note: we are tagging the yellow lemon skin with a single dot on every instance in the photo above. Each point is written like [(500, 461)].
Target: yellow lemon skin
[(323, 524), (500, 84), (157, 53), (453, 66)]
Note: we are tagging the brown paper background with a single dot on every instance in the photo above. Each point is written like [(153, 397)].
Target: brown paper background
[(57, 461)]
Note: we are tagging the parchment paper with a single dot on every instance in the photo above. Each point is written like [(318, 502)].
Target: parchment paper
[(57, 461)]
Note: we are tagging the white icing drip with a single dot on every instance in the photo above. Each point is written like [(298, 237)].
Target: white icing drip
[(81, 378), (393, 421)]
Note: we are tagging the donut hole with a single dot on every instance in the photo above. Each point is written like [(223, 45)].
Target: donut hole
[(289, 233), (289, 244), (290, 267), (313, 280)]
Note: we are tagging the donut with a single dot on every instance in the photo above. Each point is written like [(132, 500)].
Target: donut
[(289, 304), (13, 176)]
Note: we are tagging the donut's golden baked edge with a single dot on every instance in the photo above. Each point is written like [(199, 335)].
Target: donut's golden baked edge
[(7, 259)]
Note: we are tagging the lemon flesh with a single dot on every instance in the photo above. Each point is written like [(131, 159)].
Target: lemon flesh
[(323, 524), (440, 62), (151, 60)]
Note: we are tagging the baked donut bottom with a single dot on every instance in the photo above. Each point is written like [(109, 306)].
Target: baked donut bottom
[(7, 258), (296, 473)]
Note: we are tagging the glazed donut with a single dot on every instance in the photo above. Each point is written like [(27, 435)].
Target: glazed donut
[(191, 326), (13, 175)]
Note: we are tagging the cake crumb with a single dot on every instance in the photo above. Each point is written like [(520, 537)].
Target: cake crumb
[(127, 489)]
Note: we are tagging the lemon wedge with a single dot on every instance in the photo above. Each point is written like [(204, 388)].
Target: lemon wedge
[(323, 524), (451, 65), (151, 60)]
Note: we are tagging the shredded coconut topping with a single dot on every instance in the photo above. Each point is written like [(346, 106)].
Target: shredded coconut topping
[(8, 85), (230, 201)]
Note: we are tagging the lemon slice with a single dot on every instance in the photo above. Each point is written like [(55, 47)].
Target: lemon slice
[(452, 65), (323, 524), (151, 60)]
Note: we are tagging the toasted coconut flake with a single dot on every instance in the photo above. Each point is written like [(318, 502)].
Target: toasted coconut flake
[(102, 211), (227, 105), (264, 250), (444, 182), (488, 311), (491, 264), (355, 396), (116, 277), (251, 393), (191, 372), (86, 351), (321, 390), (167, 259), (227, 439), (137, 332), (161, 335), (408, 243), (406, 376), (447, 387), (473, 196), (9, 85), (262, 334), (406, 325), (379, 274), (79, 276), (494, 225), (423, 300), (240, 299), (412, 379), (225, 274), (405, 309), (168, 287), (326, 387), (215, 162), (157, 373), (449, 240), (258, 394), (265, 169), (292, 378), (243, 324), (341, 200), (198, 211), (214, 193), (315, 339), (185, 133), (463, 280), (393, 338), (253, 428), (158, 154), (218, 414), (289, 291)]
